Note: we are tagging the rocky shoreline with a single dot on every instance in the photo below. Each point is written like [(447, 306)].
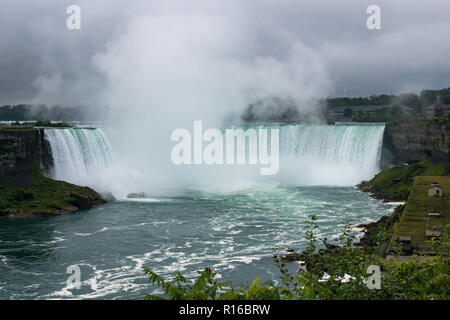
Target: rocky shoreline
[(371, 230), (369, 239)]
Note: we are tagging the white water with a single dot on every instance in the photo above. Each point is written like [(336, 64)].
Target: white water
[(80, 156), (310, 155), (331, 155)]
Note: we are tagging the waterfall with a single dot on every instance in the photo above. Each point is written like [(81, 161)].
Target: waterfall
[(309, 155), (342, 155), (79, 155)]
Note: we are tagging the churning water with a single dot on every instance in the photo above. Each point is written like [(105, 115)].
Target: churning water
[(232, 231)]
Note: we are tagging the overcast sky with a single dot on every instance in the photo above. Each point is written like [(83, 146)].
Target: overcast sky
[(42, 61)]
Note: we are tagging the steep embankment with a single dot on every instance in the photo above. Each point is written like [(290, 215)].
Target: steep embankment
[(414, 220), (424, 145), (420, 149), (394, 184), (21, 149), (24, 189), (397, 184), (416, 141)]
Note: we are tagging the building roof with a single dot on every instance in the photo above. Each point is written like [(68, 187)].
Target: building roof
[(404, 238), (433, 233), (438, 104), (357, 108), (407, 109)]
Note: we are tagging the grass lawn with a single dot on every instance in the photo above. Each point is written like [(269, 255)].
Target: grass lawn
[(45, 196), (395, 183), (414, 220)]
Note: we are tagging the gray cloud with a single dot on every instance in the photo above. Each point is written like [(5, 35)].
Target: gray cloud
[(42, 61)]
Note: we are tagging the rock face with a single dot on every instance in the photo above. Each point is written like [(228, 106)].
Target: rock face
[(21, 150), (412, 142)]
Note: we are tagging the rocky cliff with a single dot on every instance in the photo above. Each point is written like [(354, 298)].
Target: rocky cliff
[(21, 151), (412, 142)]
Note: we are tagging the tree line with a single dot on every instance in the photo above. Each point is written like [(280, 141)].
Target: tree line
[(424, 98), (30, 112)]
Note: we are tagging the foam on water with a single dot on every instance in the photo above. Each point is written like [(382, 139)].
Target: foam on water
[(231, 228)]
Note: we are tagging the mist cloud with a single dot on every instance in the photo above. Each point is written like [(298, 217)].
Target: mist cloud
[(171, 65), (159, 65), (41, 61)]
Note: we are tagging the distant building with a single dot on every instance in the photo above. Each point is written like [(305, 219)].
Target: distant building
[(428, 113), (437, 109), (435, 184), (434, 214), (405, 244), (435, 190), (339, 113), (433, 231)]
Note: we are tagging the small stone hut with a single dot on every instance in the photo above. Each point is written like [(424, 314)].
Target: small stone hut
[(435, 190)]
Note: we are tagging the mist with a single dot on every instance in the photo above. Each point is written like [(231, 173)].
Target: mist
[(171, 66), (45, 63), (157, 66)]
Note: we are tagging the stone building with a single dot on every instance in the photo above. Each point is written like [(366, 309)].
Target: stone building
[(437, 109), (435, 190)]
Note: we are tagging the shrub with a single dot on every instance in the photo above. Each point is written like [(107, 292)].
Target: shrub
[(337, 274)]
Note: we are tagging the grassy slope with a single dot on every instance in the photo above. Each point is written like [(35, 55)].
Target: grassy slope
[(395, 183), (45, 196), (414, 219)]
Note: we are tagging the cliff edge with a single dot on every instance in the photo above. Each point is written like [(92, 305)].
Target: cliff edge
[(416, 141)]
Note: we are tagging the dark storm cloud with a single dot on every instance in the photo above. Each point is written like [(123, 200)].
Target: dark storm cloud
[(42, 61)]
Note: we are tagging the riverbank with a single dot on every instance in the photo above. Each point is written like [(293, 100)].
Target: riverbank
[(392, 185), (43, 196)]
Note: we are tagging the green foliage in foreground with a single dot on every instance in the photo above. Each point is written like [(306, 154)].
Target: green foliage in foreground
[(323, 275), (395, 183), (207, 288)]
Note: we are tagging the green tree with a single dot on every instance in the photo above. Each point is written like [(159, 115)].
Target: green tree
[(332, 272), (348, 112)]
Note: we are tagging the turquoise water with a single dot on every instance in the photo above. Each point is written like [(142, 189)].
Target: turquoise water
[(232, 232), (232, 229)]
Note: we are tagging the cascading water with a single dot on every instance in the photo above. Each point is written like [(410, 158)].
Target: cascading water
[(333, 155), (309, 155), (79, 155), (231, 230)]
